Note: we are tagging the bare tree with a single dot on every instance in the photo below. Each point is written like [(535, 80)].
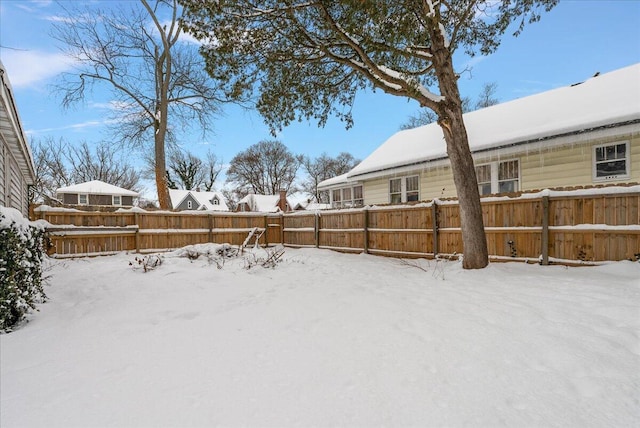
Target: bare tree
[(308, 59), (264, 168), (426, 116), (59, 164), (159, 83), (322, 168), (187, 171), (487, 96), (50, 169)]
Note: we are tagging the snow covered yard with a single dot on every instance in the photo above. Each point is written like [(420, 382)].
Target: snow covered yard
[(326, 339)]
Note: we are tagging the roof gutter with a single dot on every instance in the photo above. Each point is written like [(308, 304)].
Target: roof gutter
[(502, 146)]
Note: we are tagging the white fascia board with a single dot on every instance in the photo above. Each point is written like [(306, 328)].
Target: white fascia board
[(510, 150)]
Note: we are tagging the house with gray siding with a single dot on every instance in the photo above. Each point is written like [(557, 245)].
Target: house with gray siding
[(16, 164), (194, 200), (96, 193)]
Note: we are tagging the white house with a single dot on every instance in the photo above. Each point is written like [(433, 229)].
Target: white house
[(191, 200), (264, 203), (580, 135), (16, 162), (96, 193)]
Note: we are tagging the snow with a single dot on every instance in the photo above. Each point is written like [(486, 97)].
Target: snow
[(326, 339), (609, 98), (97, 187), (262, 203)]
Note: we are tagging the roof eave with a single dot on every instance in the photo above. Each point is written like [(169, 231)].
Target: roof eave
[(379, 171)]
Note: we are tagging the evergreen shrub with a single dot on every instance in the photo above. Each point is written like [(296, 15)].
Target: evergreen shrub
[(21, 255)]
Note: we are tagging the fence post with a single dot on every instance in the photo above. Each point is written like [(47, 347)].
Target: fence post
[(316, 229), (137, 238), (282, 228), (434, 227), (266, 230), (545, 230), (365, 213), (210, 227)]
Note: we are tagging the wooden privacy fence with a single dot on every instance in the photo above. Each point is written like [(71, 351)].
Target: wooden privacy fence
[(573, 226), (547, 226), (74, 233)]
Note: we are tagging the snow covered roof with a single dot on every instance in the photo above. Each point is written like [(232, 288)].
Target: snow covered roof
[(603, 100), (333, 181), (97, 187), (262, 203), (311, 206), (203, 198)]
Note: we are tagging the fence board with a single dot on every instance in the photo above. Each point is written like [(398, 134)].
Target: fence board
[(515, 228)]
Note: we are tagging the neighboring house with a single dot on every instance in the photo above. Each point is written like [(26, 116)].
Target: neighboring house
[(192, 200), (16, 163), (96, 193), (264, 203), (310, 206), (581, 135)]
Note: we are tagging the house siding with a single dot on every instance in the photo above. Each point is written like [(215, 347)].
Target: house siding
[(184, 204), (3, 175), (13, 186), (16, 194), (552, 167)]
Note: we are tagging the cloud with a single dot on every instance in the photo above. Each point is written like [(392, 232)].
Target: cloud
[(27, 68), (74, 126), (34, 5)]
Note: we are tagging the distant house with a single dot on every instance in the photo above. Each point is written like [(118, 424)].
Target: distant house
[(16, 164), (580, 135), (264, 203), (96, 193), (310, 206), (192, 200)]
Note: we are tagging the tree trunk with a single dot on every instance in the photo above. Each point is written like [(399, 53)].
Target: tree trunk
[(161, 171), (474, 241)]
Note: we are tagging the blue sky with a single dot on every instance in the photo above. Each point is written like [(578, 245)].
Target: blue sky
[(570, 43)]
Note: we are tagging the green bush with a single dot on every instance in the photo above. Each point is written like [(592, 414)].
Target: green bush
[(21, 286)]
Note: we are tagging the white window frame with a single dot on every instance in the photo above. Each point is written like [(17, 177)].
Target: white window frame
[(627, 159), (403, 188), (189, 205), (495, 180), (358, 202), (346, 197), (86, 196), (336, 203), (119, 198)]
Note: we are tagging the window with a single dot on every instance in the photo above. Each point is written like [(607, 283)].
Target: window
[(404, 189), (395, 190), (215, 201), (412, 188), (483, 174), (347, 197), (83, 199), (358, 196), (508, 176), (611, 161), (117, 200), (336, 196), (189, 205), (498, 177)]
